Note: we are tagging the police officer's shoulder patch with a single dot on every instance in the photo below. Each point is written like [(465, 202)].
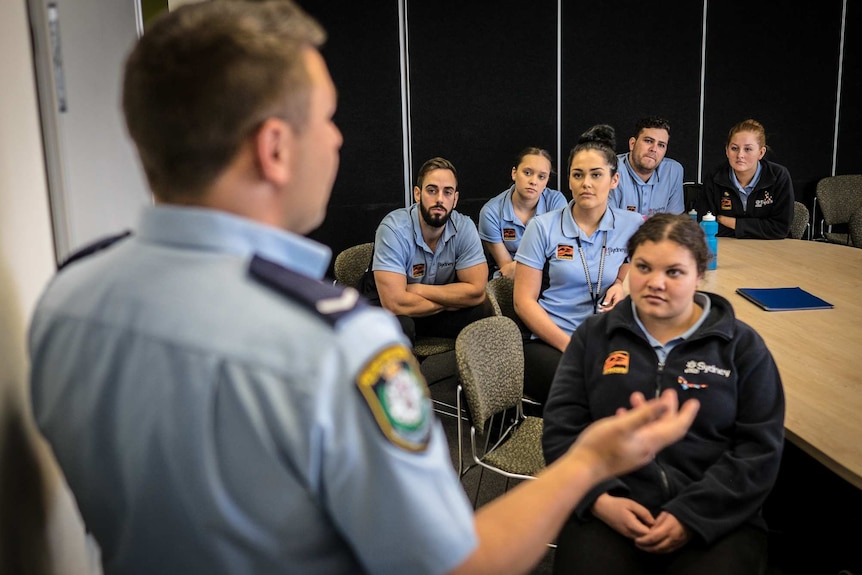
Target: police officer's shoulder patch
[(330, 302), (398, 397)]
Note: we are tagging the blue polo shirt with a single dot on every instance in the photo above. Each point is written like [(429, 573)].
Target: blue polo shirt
[(552, 237), (745, 191), (499, 224), (663, 192), (399, 247)]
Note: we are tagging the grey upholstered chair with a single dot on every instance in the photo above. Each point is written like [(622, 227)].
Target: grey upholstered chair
[(838, 197), (800, 221), (490, 357), (501, 290), (855, 228), (351, 263)]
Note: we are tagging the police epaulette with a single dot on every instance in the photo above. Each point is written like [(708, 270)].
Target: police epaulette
[(328, 301), (94, 247)]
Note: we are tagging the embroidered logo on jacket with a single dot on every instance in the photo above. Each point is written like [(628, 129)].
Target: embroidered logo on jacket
[(418, 270), (767, 200), (565, 252), (509, 234), (617, 362), (685, 384), (698, 367)]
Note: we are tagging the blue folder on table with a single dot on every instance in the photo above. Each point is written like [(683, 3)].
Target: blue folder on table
[(783, 299)]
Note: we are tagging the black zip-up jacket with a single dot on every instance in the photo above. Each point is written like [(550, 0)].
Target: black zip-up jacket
[(717, 477), (768, 212)]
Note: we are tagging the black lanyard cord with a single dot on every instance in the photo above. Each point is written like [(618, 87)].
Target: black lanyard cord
[(594, 296)]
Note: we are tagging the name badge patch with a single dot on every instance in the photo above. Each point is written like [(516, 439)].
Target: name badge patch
[(565, 252), (617, 362)]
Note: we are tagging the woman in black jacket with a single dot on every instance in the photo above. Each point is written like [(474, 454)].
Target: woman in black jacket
[(697, 507), (751, 197)]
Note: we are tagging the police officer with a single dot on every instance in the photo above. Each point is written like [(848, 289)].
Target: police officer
[(215, 406)]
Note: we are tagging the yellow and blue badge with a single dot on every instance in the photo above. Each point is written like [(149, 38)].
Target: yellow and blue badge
[(398, 396)]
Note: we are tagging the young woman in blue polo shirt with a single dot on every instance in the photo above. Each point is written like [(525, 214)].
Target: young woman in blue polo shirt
[(504, 217), (573, 260)]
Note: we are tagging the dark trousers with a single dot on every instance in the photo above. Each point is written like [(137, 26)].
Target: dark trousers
[(593, 548), (540, 365), (446, 323)]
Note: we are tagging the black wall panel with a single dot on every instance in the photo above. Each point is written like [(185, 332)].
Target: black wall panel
[(850, 118), (362, 52), (624, 60), (778, 65), (483, 87)]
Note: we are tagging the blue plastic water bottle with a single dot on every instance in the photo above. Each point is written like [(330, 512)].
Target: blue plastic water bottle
[(710, 228), (693, 214)]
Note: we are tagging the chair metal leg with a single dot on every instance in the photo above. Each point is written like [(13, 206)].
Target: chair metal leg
[(478, 487)]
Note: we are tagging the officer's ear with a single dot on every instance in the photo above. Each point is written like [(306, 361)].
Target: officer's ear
[(273, 146)]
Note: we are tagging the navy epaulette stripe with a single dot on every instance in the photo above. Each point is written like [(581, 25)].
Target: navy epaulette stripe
[(94, 247), (328, 301)]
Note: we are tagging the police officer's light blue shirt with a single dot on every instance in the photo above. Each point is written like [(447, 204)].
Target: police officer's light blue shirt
[(552, 237), (498, 223), (399, 247), (208, 423), (663, 192)]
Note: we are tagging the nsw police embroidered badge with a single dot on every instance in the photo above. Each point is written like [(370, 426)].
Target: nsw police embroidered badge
[(398, 397)]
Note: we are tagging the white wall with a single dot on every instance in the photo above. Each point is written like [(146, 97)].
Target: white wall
[(26, 248)]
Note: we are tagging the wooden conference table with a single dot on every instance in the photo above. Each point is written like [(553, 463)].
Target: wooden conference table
[(818, 352)]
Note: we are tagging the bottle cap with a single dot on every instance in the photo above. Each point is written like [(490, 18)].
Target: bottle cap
[(708, 217)]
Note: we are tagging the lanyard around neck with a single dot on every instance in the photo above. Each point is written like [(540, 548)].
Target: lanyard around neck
[(594, 296)]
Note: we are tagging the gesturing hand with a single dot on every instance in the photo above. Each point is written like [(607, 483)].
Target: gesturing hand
[(616, 445)]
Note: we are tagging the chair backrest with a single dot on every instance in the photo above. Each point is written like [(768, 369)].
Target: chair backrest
[(503, 291), (855, 228), (838, 197), (800, 222), (351, 263), (490, 358), (691, 191)]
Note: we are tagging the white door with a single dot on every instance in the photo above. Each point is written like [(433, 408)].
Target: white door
[(95, 181)]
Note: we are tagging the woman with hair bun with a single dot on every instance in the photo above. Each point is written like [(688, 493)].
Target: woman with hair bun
[(571, 262)]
